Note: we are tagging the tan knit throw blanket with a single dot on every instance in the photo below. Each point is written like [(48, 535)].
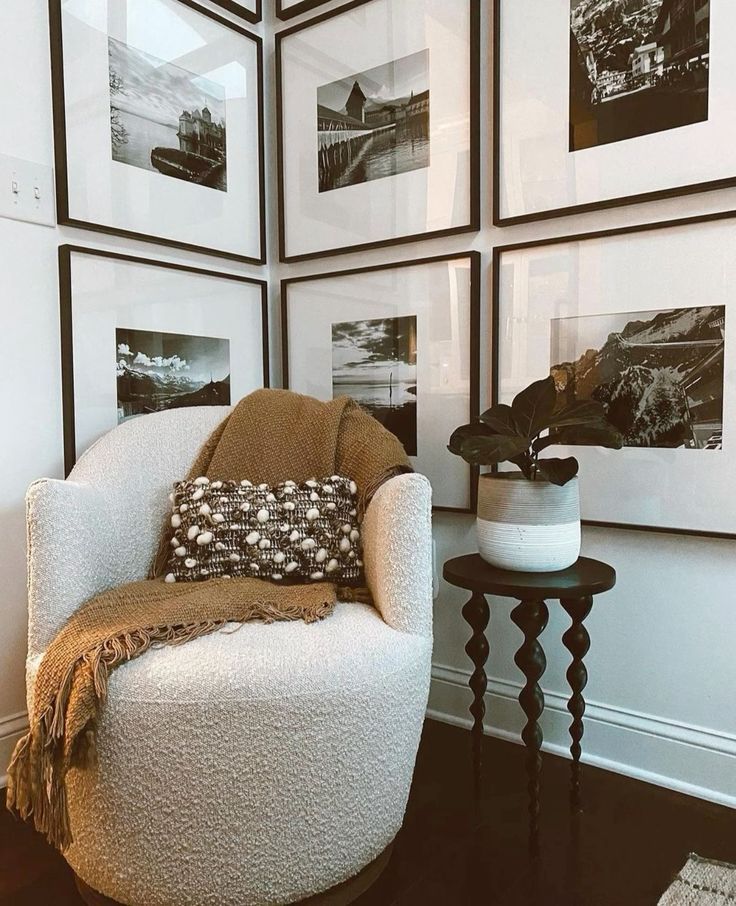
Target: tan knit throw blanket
[(270, 436)]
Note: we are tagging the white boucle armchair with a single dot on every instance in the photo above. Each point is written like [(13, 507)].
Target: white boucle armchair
[(259, 766)]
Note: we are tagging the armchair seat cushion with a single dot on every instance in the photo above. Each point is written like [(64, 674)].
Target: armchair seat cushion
[(246, 662), (274, 761)]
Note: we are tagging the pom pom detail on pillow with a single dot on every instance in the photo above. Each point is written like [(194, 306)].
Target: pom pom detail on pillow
[(306, 532)]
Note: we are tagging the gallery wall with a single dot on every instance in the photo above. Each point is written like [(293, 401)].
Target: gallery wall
[(661, 670)]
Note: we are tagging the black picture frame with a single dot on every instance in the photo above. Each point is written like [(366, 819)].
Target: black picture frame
[(499, 251), (60, 143), (65, 253), (603, 205), (472, 226), (240, 9), (474, 352), (297, 9)]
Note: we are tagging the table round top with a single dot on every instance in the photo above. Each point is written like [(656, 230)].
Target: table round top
[(585, 577)]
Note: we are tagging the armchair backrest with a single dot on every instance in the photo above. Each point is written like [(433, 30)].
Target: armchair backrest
[(133, 467)]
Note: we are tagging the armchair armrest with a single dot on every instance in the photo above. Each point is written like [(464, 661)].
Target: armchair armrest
[(397, 552), (71, 554)]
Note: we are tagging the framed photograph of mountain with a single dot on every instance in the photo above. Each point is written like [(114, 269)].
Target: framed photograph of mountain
[(286, 9), (378, 126), (250, 10), (403, 341), (642, 320), (158, 124), (616, 101), (140, 336)]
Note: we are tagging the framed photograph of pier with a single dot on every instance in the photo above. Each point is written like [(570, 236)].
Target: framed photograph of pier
[(403, 341), (599, 103), (378, 126), (158, 128), (140, 336), (643, 320), (250, 10)]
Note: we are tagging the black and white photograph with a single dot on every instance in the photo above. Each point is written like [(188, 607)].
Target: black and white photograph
[(158, 131), (374, 124), (142, 336), (165, 119), (403, 341), (158, 371), (375, 363), (377, 116), (659, 374), (636, 67)]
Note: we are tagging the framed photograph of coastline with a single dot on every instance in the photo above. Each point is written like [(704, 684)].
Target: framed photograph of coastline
[(158, 124), (378, 126), (286, 9), (643, 320), (250, 10), (599, 103), (403, 340), (140, 335)]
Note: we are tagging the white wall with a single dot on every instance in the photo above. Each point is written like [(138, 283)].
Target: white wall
[(661, 665)]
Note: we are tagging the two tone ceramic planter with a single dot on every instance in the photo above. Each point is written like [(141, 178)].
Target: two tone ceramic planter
[(528, 526)]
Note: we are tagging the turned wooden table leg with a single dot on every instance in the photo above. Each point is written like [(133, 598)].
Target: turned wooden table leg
[(531, 617), (477, 614), (577, 642)]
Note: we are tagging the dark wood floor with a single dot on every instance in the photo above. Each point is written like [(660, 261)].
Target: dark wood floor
[(625, 849)]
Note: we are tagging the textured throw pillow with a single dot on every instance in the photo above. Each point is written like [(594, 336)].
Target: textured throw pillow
[(305, 532)]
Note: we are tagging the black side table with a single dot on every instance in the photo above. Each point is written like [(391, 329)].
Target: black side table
[(574, 587)]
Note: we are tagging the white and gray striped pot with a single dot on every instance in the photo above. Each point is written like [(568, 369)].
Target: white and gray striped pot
[(528, 526)]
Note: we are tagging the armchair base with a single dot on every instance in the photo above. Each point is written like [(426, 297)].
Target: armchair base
[(339, 895)]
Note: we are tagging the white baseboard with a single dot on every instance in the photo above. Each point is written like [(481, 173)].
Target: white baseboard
[(12, 728), (693, 760)]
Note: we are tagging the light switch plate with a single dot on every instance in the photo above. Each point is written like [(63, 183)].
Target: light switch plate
[(27, 191)]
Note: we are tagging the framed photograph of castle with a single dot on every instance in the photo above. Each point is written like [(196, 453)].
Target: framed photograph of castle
[(140, 335), (158, 124), (378, 126), (599, 103), (643, 320), (250, 10), (402, 340)]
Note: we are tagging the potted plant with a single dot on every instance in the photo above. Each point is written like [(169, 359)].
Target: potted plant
[(530, 520)]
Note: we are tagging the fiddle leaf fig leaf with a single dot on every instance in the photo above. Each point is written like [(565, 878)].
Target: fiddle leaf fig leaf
[(593, 434), (487, 451), (513, 433), (476, 429), (577, 413), (524, 462), (532, 409), (558, 471), (499, 418)]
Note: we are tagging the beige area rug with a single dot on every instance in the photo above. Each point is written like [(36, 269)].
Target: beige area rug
[(702, 882)]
